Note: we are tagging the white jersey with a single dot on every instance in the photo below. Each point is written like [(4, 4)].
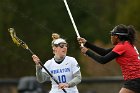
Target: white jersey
[(63, 73)]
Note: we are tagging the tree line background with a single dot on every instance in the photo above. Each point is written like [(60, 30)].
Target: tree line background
[(35, 21)]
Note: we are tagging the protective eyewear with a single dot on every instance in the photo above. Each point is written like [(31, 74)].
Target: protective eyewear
[(62, 45)]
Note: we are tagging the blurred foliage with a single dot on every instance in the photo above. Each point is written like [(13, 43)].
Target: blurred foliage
[(35, 21)]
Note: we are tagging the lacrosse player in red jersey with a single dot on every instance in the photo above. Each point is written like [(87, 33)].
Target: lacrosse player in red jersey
[(65, 69), (125, 53)]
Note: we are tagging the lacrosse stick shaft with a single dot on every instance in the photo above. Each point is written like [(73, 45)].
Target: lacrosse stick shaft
[(51, 76), (31, 51), (43, 66), (72, 20)]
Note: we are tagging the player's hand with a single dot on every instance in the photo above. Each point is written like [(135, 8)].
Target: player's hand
[(63, 85), (84, 50), (36, 59), (81, 40)]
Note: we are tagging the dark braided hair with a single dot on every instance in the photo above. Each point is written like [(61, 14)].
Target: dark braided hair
[(125, 33), (132, 34)]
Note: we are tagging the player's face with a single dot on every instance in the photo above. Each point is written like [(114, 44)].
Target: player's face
[(61, 50), (114, 39)]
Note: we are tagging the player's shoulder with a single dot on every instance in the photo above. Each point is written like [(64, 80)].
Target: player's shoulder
[(70, 58), (49, 61)]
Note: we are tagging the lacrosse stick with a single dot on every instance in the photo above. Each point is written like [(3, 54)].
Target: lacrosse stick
[(72, 20), (19, 42)]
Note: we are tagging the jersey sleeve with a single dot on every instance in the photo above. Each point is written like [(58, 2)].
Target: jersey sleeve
[(119, 49), (75, 66)]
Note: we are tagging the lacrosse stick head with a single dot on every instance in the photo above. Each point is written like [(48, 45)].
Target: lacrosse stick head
[(16, 40)]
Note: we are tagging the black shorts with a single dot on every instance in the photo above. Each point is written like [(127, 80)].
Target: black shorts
[(133, 85)]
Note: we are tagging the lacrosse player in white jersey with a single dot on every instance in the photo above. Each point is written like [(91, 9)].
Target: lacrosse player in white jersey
[(65, 69)]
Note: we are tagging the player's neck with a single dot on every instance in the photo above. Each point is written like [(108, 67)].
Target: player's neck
[(58, 59)]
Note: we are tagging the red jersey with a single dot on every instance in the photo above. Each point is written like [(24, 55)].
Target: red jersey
[(128, 60)]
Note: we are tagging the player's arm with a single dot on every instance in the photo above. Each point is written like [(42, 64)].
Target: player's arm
[(76, 80), (41, 76), (102, 59), (99, 50)]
